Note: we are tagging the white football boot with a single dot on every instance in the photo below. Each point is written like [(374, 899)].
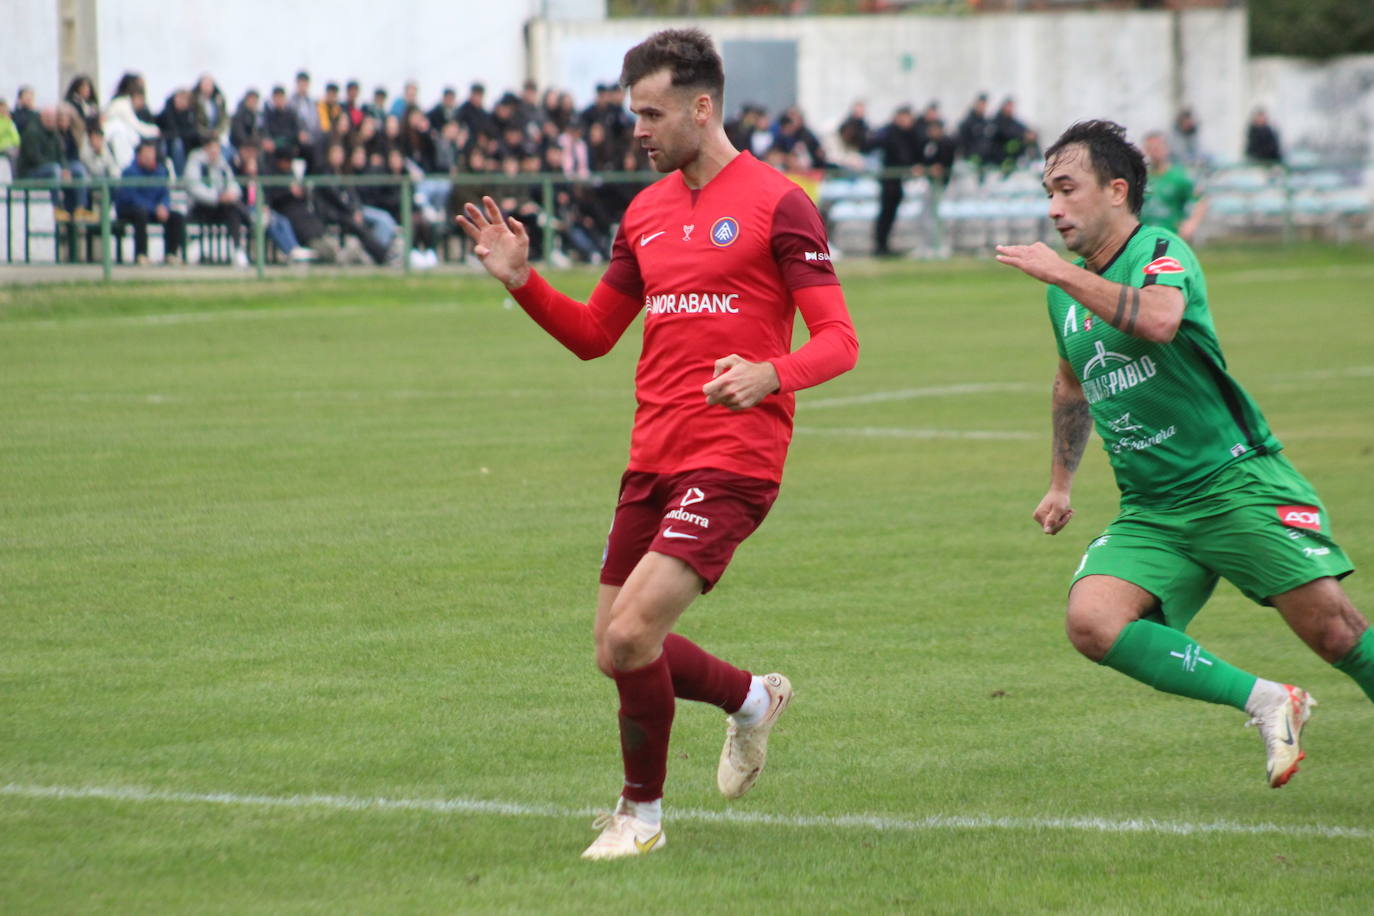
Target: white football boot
[(1280, 727), (623, 834), (746, 746)]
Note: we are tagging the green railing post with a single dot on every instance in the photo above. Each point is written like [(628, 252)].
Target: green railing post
[(106, 255), (548, 219), (1288, 227), (937, 224), (406, 222), (259, 231)]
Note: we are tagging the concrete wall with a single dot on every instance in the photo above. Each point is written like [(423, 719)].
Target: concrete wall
[(28, 50), (260, 42), (1135, 67), (1324, 110)]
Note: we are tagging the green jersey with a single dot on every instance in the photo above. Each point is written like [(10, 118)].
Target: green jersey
[(1169, 414), (1168, 196)]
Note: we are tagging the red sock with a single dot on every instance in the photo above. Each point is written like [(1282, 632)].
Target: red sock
[(646, 720), (699, 675)]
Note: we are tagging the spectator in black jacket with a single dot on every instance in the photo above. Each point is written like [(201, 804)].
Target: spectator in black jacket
[(1261, 140), (975, 132), (178, 125), (900, 149), (791, 134), (1011, 139), (24, 109), (445, 112), (854, 130), (352, 105), (340, 205), (245, 128), (936, 159), (281, 124), (292, 202)]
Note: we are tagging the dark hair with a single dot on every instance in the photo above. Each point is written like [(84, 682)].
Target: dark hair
[(687, 54), (1110, 154)]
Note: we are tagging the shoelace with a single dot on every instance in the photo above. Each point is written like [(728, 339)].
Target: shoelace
[(604, 820)]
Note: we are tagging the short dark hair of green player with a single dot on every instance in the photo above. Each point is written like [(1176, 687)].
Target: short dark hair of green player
[(688, 53), (1111, 154)]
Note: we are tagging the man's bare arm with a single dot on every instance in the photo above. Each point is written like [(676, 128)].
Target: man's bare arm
[(1072, 423), (1151, 313)]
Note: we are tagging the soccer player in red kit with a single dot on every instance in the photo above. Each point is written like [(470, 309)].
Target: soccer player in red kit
[(719, 255)]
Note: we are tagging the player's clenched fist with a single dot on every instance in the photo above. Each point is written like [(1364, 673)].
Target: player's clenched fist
[(739, 384), (1054, 512)]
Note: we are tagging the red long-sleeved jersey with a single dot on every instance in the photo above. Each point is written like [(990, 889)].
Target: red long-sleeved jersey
[(716, 271)]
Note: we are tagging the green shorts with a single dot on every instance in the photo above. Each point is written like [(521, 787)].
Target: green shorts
[(1259, 524)]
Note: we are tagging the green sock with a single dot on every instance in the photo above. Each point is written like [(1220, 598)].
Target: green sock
[(1171, 661), (1359, 663)]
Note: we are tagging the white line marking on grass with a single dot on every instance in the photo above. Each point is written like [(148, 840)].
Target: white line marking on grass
[(891, 432), (749, 818), (908, 394)]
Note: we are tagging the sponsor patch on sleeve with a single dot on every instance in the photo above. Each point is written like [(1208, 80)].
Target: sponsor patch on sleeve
[(1309, 517), (1165, 265)]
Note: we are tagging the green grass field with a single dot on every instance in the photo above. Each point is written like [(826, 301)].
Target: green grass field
[(295, 595)]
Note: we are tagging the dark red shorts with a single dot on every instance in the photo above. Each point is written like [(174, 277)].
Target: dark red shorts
[(699, 516)]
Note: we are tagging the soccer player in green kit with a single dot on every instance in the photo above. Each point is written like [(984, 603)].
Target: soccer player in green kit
[(1205, 491), (1171, 198)]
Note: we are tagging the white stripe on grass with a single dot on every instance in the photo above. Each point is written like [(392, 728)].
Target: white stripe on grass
[(882, 823)]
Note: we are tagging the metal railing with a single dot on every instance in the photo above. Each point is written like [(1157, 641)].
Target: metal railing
[(101, 190), (1277, 198)]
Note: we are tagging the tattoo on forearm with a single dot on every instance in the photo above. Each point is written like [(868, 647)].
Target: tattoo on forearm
[(1073, 422), (1121, 321)]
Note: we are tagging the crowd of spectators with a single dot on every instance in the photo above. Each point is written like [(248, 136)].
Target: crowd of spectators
[(197, 142), (215, 151)]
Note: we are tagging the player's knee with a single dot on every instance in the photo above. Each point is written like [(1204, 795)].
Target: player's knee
[(1337, 636), (622, 644), (1090, 633)]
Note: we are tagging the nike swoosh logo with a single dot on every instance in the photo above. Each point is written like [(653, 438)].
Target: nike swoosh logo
[(646, 239), (670, 533), (648, 844), (1289, 728)]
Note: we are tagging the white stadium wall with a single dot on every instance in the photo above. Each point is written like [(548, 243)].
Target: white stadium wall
[(1135, 67), (28, 49), (261, 42), (1325, 110)]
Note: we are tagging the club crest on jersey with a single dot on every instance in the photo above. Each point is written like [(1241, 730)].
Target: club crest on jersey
[(724, 232), (1164, 265)]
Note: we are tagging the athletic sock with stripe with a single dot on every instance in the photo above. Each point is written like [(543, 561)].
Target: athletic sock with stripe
[(1171, 661)]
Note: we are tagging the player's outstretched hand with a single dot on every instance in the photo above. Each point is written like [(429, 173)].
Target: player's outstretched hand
[(501, 244), (1054, 512), (739, 384), (1039, 260)]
